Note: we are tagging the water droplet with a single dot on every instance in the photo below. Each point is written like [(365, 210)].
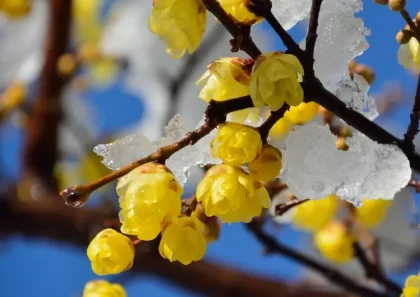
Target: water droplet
[(75, 197)]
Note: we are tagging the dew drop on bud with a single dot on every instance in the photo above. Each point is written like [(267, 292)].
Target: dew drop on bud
[(75, 197)]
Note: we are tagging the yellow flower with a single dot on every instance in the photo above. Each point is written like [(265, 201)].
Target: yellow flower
[(236, 144), (409, 55), (281, 129), (102, 288), (110, 252), (150, 196), (412, 286), (268, 164), (231, 194), (373, 212), (302, 113), (15, 9), (335, 243), (275, 80), (12, 97), (184, 240), (308, 218), (180, 24), (225, 79), (86, 15), (238, 9)]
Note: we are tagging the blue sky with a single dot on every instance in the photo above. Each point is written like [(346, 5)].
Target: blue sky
[(33, 268)]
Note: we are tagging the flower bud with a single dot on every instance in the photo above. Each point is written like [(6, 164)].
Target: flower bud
[(275, 79), (396, 5), (341, 144), (66, 64), (236, 144), (335, 243), (150, 197), (179, 24), (231, 194), (110, 252), (238, 9), (16, 9), (183, 240), (372, 212), (302, 113), (102, 288), (267, 165)]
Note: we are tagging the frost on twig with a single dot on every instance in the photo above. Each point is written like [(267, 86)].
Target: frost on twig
[(313, 167), (133, 147)]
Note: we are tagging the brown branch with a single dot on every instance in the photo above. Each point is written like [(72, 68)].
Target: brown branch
[(312, 32), (372, 271), (216, 112), (40, 152), (273, 246), (265, 128), (413, 27), (312, 87), (240, 34), (413, 127), (50, 219), (285, 207)]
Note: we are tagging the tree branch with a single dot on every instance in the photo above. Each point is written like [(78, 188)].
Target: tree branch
[(372, 270), (40, 152), (265, 128), (52, 220), (336, 277), (413, 127), (312, 32), (216, 112)]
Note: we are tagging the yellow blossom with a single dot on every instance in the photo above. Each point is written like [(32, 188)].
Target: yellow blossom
[(12, 97), (372, 212), (281, 129), (335, 243), (231, 194), (150, 196), (236, 144), (409, 55), (275, 80), (86, 16), (302, 113), (267, 165), (180, 24), (110, 252), (15, 9), (314, 215), (184, 240), (226, 79), (412, 286), (102, 288), (238, 9)]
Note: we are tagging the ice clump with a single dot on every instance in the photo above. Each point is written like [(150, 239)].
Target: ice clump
[(341, 38), (313, 167), (133, 147), (290, 12)]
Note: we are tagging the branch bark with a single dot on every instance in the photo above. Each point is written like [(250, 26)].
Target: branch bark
[(40, 152), (413, 127), (52, 220)]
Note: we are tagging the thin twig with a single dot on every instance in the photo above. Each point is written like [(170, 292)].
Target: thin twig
[(372, 270), (312, 32), (315, 91), (273, 246), (240, 34), (409, 20), (413, 127), (216, 112), (271, 121), (284, 207)]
